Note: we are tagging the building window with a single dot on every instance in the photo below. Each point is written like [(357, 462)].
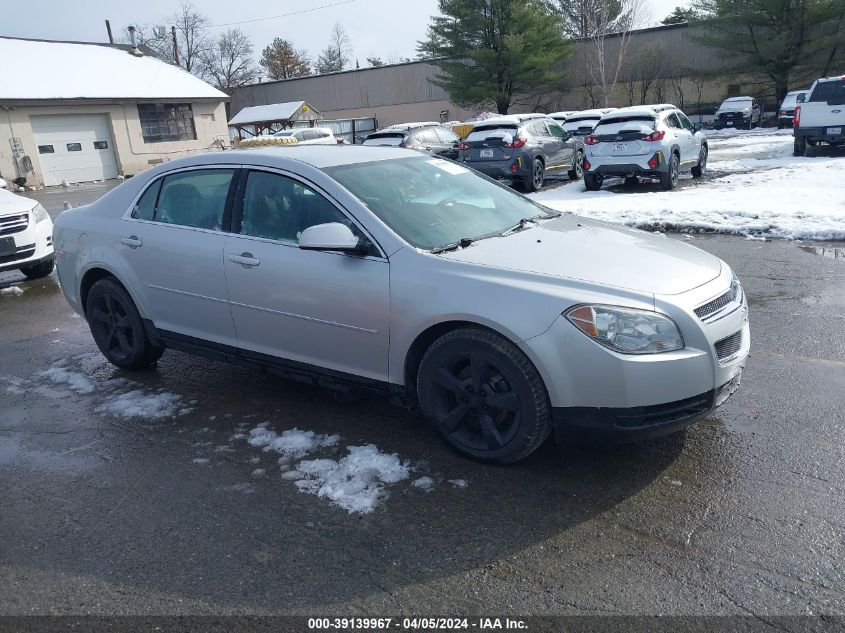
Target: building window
[(46, 149), (74, 147), (101, 144), (162, 122)]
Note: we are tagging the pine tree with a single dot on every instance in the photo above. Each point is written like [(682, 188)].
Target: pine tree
[(282, 61)]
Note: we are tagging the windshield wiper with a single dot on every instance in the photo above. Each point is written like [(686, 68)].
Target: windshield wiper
[(519, 225), (461, 243)]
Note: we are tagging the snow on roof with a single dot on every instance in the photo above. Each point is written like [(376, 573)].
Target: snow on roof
[(78, 70), (643, 110), (268, 113), (589, 114)]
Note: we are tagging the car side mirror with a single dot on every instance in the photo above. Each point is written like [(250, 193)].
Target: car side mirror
[(801, 98), (332, 236), (696, 127)]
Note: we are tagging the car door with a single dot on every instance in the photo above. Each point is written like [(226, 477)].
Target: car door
[(684, 137), (695, 145), (568, 145), (550, 147), (317, 308), (449, 143), (172, 243)]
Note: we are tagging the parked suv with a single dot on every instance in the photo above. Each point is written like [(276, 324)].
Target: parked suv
[(653, 142), (738, 112), (582, 123), (523, 149), (26, 236), (821, 118), (427, 137), (310, 136), (786, 112)]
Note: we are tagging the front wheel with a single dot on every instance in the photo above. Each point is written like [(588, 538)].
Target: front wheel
[(117, 327), (592, 182), (534, 182), (669, 178), (698, 170), (39, 270), (484, 396)]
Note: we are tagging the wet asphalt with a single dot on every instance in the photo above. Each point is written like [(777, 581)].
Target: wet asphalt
[(742, 513)]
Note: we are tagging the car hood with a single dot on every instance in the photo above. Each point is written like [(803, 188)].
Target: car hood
[(577, 248), (734, 108), (11, 203)]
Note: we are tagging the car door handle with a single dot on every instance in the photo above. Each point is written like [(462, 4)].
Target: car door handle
[(132, 241), (244, 259)]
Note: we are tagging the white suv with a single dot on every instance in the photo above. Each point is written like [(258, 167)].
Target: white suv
[(652, 142), (310, 135), (26, 236)]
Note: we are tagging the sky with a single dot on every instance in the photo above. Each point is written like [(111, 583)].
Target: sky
[(388, 29)]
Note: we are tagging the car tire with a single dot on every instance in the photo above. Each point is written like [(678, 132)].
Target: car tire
[(117, 327), (593, 182), (483, 396), (577, 170), (534, 182), (799, 146), (669, 178), (38, 270), (701, 167)]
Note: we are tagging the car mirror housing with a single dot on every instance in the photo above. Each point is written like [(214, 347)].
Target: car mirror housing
[(332, 236), (696, 127)]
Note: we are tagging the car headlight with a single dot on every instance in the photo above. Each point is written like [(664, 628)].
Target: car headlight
[(627, 330), (40, 213)]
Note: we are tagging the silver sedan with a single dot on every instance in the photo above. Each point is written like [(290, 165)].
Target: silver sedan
[(382, 269)]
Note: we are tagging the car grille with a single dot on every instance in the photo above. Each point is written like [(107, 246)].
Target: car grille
[(666, 413), (704, 312), (13, 223), (23, 253), (728, 346)]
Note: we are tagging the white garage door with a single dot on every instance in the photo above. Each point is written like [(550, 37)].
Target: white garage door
[(74, 147)]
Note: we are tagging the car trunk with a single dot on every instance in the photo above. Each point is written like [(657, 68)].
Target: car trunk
[(490, 143), (623, 137)]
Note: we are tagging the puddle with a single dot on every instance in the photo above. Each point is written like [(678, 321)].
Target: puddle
[(828, 252)]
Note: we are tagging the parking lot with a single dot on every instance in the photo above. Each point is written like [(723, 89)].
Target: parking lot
[(164, 491)]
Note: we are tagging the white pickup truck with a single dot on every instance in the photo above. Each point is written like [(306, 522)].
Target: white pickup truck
[(821, 117)]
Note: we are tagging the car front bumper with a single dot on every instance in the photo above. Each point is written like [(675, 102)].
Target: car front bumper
[(634, 396), (737, 121), (33, 245)]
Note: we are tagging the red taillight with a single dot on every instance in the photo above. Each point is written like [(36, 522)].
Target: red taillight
[(655, 136), (590, 139), (587, 165), (654, 161), (462, 147), (518, 142), (515, 167), (796, 119)]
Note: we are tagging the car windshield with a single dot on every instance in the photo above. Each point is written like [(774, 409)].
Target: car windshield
[(433, 203), (736, 103), (385, 139), (831, 92), (284, 133)]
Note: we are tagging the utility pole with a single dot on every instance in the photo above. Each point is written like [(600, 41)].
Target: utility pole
[(175, 45), (108, 28)]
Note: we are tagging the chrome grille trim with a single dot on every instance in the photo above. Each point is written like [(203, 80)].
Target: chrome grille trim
[(722, 305), (14, 223)]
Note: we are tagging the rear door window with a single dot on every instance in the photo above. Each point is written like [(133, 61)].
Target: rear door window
[(394, 140), (831, 92), (447, 136), (194, 198), (145, 208), (556, 131), (673, 122)]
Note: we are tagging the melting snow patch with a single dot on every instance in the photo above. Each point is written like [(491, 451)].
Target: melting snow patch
[(140, 404), (355, 482), (459, 483), (292, 443), (201, 460), (76, 381), (425, 484), (11, 291), (258, 472)]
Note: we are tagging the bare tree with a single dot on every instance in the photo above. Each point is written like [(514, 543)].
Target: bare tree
[(677, 84), (698, 81), (155, 39), (607, 44), (192, 36), (650, 68), (228, 62), (375, 61), (336, 55)]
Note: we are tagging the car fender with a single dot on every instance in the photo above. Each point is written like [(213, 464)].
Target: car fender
[(97, 257)]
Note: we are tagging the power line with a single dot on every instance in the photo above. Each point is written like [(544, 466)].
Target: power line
[(285, 15)]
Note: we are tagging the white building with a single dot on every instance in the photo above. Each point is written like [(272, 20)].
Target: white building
[(83, 111)]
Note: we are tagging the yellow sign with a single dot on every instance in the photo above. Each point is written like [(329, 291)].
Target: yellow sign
[(305, 108)]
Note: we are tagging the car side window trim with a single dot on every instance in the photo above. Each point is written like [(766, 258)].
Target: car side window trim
[(225, 225), (238, 211)]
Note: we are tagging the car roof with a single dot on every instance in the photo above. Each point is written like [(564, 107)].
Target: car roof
[(561, 113), (319, 156), (301, 129), (797, 92), (591, 114), (643, 110), (405, 127), (510, 119), (836, 78), (738, 99)]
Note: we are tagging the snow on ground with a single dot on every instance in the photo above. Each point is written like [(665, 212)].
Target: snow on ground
[(11, 291), (755, 187), (292, 444), (76, 381), (142, 404)]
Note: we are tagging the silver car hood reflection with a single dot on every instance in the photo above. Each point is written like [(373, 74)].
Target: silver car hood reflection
[(577, 248)]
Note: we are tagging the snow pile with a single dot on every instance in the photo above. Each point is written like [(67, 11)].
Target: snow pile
[(293, 443), (11, 291), (141, 404), (426, 484), (355, 482), (76, 381), (759, 189)]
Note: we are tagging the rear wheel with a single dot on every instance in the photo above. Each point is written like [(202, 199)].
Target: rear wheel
[(117, 327), (799, 146), (484, 396), (592, 182), (578, 166), (534, 182), (698, 170), (669, 178), (39, 270)]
